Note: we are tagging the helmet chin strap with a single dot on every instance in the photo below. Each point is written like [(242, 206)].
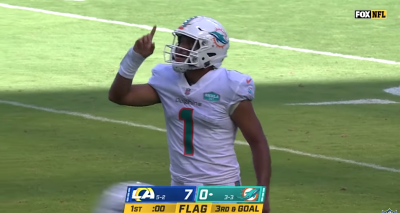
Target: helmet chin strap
[(181, 68)]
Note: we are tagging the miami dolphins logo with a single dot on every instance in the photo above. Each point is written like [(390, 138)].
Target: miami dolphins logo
[(249, 194), (220, 37), (185, 23)]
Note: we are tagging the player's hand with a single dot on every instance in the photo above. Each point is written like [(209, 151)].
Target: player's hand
[(145, 45)]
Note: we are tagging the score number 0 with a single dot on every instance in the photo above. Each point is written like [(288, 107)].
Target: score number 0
[(203, 194)]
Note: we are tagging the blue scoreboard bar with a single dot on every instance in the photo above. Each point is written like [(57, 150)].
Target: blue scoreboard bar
[(160, 194)]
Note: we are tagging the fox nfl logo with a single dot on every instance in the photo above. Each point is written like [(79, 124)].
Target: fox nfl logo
[(370, 14)]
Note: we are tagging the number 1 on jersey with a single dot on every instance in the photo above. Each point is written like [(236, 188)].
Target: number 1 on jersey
[(186, 115)]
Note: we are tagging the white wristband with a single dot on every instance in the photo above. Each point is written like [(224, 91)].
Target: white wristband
[(130, 64)]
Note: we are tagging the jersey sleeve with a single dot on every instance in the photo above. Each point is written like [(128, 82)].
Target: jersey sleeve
[(156, 77), (245, 90)]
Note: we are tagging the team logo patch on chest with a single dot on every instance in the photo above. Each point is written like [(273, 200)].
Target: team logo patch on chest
[(211, 96)]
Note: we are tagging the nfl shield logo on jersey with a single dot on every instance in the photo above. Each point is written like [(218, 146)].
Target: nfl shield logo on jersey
[(187, 92), (389, 211)]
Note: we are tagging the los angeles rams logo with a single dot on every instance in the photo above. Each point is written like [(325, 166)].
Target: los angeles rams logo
[(148, 193), (220, 37)]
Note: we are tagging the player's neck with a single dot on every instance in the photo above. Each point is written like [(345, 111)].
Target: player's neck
[(193, 76)]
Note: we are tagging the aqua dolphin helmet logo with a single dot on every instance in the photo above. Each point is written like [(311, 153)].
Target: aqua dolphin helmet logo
[(220, 37)]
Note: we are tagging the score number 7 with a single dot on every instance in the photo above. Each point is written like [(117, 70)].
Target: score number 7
[(189, 192)]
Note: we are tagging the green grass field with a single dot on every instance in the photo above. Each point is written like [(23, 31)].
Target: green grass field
[(55, 160)]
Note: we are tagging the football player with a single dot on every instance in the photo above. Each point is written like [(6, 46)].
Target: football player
[(204, 105)]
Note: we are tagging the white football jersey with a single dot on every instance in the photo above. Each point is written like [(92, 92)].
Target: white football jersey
[(200, 132)]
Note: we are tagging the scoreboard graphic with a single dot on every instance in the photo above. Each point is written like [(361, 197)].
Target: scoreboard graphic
[(192, 199)]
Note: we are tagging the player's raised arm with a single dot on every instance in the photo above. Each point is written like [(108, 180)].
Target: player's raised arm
[(122, 91)]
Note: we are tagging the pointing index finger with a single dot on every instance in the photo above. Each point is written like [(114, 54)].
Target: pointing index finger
[(153, 31)]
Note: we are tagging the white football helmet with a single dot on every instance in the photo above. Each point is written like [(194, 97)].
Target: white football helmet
[(113, 198), (210, 47)]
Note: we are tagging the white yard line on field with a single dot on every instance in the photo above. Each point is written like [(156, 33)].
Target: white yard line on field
[(97, 118), (168, 30), (393, 90)]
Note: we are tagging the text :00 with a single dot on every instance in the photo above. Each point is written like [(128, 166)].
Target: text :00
[(159, 208)]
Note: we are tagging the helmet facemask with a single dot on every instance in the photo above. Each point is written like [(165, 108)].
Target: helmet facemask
[(193, 59)]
